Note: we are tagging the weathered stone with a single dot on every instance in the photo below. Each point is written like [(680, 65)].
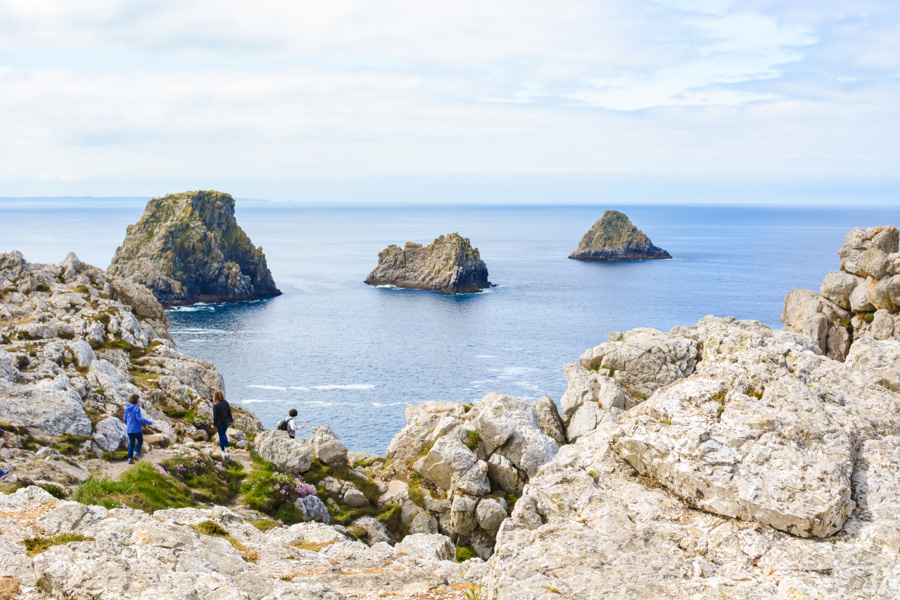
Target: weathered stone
[(326, 447), (449, 265), (354, 498), (549, 420), (313, 509), (490, 514), (424, 523), (409, 443), (451, 464), (613, 237), (819, 319), (426, 546), (838, 287), (110, 434), (375, 531), (463, 520), (502, 472), (288, 454)]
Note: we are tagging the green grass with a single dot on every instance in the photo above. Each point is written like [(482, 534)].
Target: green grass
[(474, 440), (42, 287), (37, 545), (141, 487), (260, 492), (464, 553), (211, 483), (264, 525), (54, 490), (69, 445), (755, 394)]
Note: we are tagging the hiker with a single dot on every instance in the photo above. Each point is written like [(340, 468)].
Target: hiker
[(287, 423), (3, 473), (222, 419), (133, 422)]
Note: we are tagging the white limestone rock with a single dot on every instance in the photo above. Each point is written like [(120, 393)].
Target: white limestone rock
[(450, 464), (409, 444), (433, 547), (110, 434), (549, 420), (290, 455), (326, 446)]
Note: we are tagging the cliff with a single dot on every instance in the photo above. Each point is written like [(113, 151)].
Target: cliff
[(189, 248), (613, 237), (861, 300), (449, 265)]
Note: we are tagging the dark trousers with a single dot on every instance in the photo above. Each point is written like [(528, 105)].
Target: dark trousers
[(132, 439), (223, 439)]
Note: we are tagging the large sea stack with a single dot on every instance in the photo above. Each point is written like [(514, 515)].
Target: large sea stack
[(449, 265), (613, 237), (189, 248)]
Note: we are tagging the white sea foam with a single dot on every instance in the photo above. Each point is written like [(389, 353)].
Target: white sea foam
[(387, 286), (299, 388), (381, 404), (196, 331), (252, 401), (268, 387), (194, 308), (352, 386), (316, 403)]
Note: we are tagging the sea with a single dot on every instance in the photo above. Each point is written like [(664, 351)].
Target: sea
[(354, 356)]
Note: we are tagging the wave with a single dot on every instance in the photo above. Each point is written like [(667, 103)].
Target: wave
[(197, 331), (299, 388), (193, 308), (316, 403), (252, 401), (268, 387), (381, 404), (352, 386)]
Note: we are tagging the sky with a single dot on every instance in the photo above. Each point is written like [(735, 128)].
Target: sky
[(487, 101)]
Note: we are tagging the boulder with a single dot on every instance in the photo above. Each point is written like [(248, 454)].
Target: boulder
[(819, 319), (313, 509), (354, 498), (449, 264), (838, 287), (423, 523), (110, 434), (463, 519), (49, 405), (549, 420), (490, 514), (450, 464), (326, 447), (288, 454), (427, 547), (511, 424), (375, 531), (502, 472), (421, 421), (614, 238)]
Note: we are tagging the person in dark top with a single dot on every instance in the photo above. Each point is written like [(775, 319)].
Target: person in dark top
[(222, 419), (133, 426)]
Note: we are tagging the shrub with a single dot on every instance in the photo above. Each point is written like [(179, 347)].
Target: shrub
[(213, 481), (273, 493), (464, 553)]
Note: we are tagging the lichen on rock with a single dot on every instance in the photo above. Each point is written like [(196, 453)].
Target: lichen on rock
[(188, 248), (449, 264), (613, 237)]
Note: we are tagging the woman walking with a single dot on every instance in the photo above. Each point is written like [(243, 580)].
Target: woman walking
[(222, 419), (133, 422)]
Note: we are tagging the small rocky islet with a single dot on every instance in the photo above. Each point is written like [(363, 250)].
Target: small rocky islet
[(188, 248), (449, 265), (614, 238), (717, 460)]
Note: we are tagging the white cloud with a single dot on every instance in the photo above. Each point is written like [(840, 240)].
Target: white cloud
[(112, 91)]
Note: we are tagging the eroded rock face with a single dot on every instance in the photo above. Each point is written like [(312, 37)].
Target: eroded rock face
[(449, 264), (76, 343), (127, 554), (613, 237), (859, 301), (189, 248)]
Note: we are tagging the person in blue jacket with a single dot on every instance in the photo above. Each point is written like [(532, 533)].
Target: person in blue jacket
[(133, 422)]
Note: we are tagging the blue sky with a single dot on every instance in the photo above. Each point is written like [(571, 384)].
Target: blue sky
[(473, 101)]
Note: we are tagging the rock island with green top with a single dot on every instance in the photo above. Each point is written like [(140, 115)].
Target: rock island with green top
[(613, 237), (449, 265), (188, 248)]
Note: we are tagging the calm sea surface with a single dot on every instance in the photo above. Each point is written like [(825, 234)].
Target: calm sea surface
[(353, 356)]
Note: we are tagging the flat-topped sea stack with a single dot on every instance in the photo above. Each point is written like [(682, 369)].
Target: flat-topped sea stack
[(613, 237), (449, 265), (189, 248)]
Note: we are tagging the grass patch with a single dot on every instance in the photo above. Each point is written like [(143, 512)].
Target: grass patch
[(142, 487), (474, 440), (755, 394), (264, 525), (69, 445), (365, 463), (10, 587), (868, 317), (37, 545), (212, 481), (213, 529), (271, 492), (42, 287), (54, 490), (115, 455), (464, 553), (312, 546), (718, 397)]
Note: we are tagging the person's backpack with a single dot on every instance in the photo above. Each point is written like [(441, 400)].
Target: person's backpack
[(283, 424)]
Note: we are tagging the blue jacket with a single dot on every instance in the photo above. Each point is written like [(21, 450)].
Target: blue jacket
[(133, 419)]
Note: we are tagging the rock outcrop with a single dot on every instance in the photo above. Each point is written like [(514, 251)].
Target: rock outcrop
[(861, 300), (74, 344), (449, 265), (722, 482), (123, 553), (469, 463), (188, 248), (613, 237)]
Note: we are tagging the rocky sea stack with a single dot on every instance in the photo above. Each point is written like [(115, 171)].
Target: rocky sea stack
[(189, 248), (449, 265), (613, 237)]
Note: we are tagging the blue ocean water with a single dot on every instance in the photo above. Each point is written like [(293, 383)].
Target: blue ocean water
[(353, 356)]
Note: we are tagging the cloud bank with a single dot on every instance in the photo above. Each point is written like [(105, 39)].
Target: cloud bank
[(143, 98)]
